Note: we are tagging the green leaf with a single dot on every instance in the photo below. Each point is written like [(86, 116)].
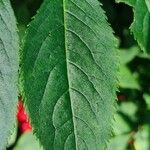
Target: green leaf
[(28, 141), (142, 138), (69, 75), (147, 100), (129, 2), (120, 125), (148, 4), (119, 142), (9, 45), (127, 79), (127, 55), (129, 109), (141, 24), (144, 56)]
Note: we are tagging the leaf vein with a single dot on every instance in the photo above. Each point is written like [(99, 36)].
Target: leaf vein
[(75, 65), (76, 90)]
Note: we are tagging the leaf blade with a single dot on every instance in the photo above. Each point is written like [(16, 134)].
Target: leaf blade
[(9, 45), (70, 98), (140, 26), (129, 2)]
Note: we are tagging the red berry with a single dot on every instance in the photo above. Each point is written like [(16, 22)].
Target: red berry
[(131, 142), (121, 97), (22, 118), (26, 127)]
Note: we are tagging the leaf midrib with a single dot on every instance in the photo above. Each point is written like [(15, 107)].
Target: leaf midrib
[(65, 41)]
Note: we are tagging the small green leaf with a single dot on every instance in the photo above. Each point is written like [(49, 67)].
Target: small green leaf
[(129, 2), (144, 56), (127, 79), (119, 142), (69, 75), (120, 125), (141, 24), (142, 138), (9, 45), (129, 109), (148, 4), (28, 141), (127, 55), (147, 100)]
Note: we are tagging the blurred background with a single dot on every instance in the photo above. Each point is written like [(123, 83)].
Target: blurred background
[(131, 129)]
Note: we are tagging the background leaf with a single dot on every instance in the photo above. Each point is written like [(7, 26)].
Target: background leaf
[(147, 100), (127, 55), (129, 2), (142, 138), (120, 125), (140, 26), (69, 73), (115, 142), (126, 79), (28, 142), (9, 45)]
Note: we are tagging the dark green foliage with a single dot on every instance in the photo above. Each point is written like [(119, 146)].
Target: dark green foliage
[(131, 128)]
